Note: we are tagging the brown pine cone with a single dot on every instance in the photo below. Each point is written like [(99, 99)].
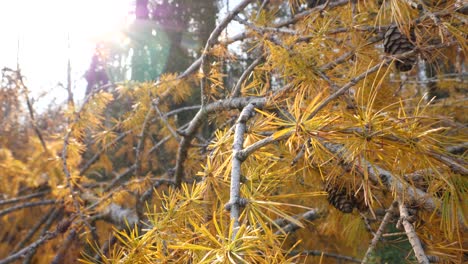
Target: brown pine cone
[(340, 199), (397, 43)]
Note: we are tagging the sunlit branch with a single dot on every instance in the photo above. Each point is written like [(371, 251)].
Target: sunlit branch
[(66, 142), (412, 236), (363, 75), (388, 216)]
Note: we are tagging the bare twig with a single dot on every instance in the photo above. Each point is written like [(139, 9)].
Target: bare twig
[(18, 81), (412, 236), (388, 216)]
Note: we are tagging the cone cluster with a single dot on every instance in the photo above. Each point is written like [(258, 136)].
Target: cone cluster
[(397, 43)]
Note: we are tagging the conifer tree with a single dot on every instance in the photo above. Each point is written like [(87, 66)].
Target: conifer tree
[(329, 148)]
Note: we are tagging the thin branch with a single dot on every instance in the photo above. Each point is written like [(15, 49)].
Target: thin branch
[(50, 220), (101, 150), (363, 75), (58, 259), (159, 144), (141, 140), (325, 254), (243, 154), (33, 230), (451, 163), (288, 227), (237, 89), (121, 177), (412, 236), (20, 83), (458, 148), (212, 40), (26, 205), (22, 198), (182, 109), (262, 6), (388, 216), (33, 246), (164, 119), (66, 142)]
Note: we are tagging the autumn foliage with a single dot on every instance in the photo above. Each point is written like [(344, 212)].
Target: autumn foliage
[(322, 151)]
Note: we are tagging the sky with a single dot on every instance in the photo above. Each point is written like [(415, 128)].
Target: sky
[(36, 32)]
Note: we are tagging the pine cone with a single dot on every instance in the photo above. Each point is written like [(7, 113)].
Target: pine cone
[(340, 199), (396, 43)]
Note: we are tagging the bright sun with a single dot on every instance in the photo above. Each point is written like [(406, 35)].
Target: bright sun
[(38, 32)]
